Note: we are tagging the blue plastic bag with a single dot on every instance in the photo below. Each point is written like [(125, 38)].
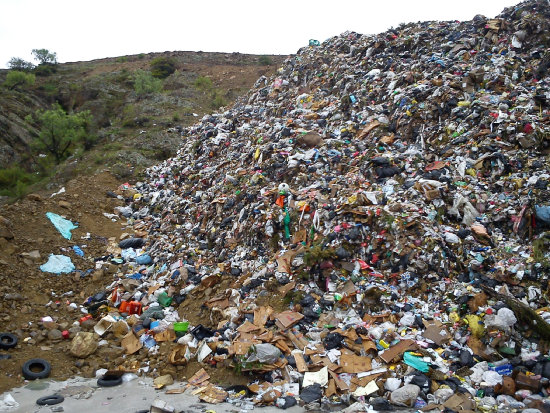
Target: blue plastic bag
[(542, 212), (143, 259), (78, 251), (58, 264), (64, 226)]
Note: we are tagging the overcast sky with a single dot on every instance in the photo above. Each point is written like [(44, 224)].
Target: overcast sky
[(85, 30)]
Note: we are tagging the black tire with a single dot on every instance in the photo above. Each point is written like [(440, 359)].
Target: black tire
[(28, 367), (8, 340), (50, 400), (109, 381)]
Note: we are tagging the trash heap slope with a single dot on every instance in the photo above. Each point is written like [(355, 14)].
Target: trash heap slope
[(408, 146), (398, 179)]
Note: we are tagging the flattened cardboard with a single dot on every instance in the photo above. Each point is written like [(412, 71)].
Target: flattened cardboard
[(299, 236), (331, 388), (301, 364), (131, 343), (285, 289), (240, 348), (459, 402), (247, 327), (341, 384), (436, 331), (213, 394), (261, 315), (166, 335), (285, 260), (398, 350), (281, 345), (199, 377), (299, 342), (366, 390), (287, 319), (350, 363)]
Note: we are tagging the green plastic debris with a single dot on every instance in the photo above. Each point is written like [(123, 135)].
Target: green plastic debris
[(416, 362)]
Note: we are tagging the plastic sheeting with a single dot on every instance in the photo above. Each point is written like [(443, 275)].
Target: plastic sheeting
[(64, 226), (58, 264)]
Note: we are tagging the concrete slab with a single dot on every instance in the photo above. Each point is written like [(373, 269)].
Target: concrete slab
[(84, 396)]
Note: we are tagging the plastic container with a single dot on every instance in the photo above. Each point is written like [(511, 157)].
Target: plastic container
[(181, 328), (164, 300)]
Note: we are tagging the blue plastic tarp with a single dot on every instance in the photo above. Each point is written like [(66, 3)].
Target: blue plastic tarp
[(64, 226), (58, 264)]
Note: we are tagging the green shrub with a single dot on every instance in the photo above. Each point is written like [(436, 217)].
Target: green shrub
[(128, 116), (162, 67), (45, 70), (203, 83), (123, 76), (265, 60), (144, 83), (15, 180), (50, 89), (141, 56), (218, 100), (122, 59), (15, 78)]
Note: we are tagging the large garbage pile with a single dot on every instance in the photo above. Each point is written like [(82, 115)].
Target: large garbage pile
[(368, 227)]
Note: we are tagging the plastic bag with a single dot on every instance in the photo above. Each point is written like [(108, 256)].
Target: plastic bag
[(392, 384), (507, 316), (8, 403), (492, 378), (406, 395), (64, 226), (407, 319), (469, 213), (264, 353), (542, 212), (58, 264)]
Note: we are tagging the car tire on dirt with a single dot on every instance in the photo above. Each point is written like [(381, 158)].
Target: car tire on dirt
[(8, 340), (36, 369)]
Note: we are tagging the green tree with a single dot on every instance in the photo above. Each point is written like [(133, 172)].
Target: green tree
[(16, 78), (162, 67), (144, 83), (44, 56), (60, 133), (16, 63)]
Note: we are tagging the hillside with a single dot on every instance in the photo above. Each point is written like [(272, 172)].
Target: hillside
[(133, 131), (368, 226)]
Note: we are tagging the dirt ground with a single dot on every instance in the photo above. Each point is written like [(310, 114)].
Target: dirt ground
[(26, 293)]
